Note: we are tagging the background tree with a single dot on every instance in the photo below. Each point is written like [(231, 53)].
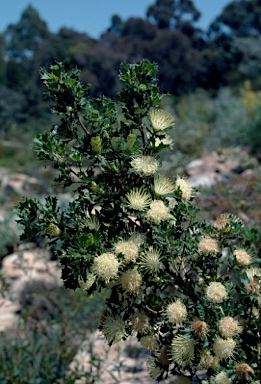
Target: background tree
[(173, 14), (239, 18)]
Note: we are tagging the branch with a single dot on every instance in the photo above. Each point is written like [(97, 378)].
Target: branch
[(83, 127)]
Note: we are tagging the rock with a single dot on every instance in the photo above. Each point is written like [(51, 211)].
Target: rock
[(18, 183), (210, 169), (30, 264), (8, 316), (202, 180), (132, 370)]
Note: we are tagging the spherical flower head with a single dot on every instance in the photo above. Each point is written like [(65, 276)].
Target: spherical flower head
[(242, 257), (145, 165), (216, 293), (91, 222), (229, 327), (207, 360), (128, 249), (208, 245), (137, 238), (131, 281), (182, 351), (150, 261), (225, 222), (161, 120), (253, 287), (149, 342), (221, 222), (199, 327), (138, 199), (182, 380), (86, 285), (153, 369), (176, 312), (105, 266), (163, 186), (140, 323), (185, 188), (113, 328), (243, 370), (222, 378), (158, 212), (253, 272), (224, 348)]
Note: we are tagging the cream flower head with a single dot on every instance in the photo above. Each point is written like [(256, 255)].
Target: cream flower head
[(242, 257), (150, 261), (253, 272), (138, 199), (225, 222), (176, 312), (140, 323), (229, 327), (222, 378), (153, 369), (158, 212), (182, 350), (149, 342), (137, 238), (128, 249), (105, 266), (207, 360), (185, 187), (208, 245), (145, 165), (113, 328), (131, 281), (224, 348), (163, 186), (216, 293), (243, 370), (199, 327), (161, 120)]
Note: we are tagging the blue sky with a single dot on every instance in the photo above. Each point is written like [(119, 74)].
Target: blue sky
[(93, 16)]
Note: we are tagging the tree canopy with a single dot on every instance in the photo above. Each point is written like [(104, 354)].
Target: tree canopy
[(226, 54)]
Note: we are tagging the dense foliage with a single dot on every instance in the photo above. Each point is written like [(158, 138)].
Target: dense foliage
[(189, 290)]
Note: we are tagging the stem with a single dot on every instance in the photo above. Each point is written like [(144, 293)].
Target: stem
[(155, 312), (118, 182), (83, 127), (143, 135)]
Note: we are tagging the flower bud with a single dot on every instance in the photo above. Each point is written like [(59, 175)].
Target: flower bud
[(69, 110), (94, 114), (143, 87), (116, 144), (95, 187), (96, 144), (131, 138), (53, 230)]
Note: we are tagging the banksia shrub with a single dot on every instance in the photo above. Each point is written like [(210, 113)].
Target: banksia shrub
[(189, 290)]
